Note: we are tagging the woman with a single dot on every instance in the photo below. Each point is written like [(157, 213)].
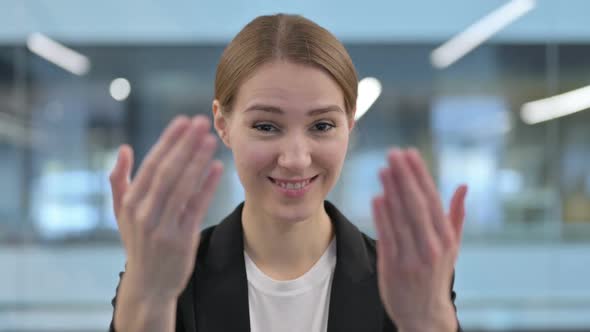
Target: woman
[(285, 259)]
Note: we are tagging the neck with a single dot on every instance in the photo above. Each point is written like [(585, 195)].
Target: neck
[(285, 250)]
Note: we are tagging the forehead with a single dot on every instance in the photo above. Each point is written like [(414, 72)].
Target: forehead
[(290, 85)]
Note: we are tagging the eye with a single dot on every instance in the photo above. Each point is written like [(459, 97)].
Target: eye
[(264, 127), (323, 126)]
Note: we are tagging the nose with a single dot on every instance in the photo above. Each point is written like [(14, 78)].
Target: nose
[(295, 155)]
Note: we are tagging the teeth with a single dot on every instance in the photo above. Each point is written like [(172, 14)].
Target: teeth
[(295, 186)]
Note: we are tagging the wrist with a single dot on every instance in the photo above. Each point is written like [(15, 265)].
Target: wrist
[(138, 291), (143, 311), (444, 320), (146, 317), (447, 326)]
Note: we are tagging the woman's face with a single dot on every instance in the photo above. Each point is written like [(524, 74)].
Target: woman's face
[(288, 131)]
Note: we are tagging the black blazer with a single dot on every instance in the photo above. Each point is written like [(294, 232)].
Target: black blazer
[(216, 297)]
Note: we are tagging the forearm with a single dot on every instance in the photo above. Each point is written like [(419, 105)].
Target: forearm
[(137, 312)]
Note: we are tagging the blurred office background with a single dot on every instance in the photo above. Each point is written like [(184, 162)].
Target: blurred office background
[(134, 65)]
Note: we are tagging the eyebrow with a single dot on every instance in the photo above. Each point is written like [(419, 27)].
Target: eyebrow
[(277, 110)]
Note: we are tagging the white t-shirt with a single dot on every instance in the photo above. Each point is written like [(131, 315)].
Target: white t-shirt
[(296, 305)]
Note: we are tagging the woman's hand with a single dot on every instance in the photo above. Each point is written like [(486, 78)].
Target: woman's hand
[(417, 245), (160, 211)]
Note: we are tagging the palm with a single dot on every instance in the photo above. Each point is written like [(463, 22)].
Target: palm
[(418, 245)]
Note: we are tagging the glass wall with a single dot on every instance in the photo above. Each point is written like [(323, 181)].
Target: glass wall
[(525, 258)]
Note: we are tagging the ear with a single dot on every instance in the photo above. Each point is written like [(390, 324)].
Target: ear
[(220, 122), (351, 120)]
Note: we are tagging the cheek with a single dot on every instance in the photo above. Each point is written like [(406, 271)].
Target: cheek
[(331, 153), (251, 156)]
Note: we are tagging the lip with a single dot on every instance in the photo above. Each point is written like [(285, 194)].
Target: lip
[(294, 193)]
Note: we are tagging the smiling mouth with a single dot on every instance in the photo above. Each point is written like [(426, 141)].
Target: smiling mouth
[(293, 185)]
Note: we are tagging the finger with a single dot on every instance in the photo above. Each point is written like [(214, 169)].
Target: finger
[(190, 179), (157, 153), (428, 187), (386, 242), (120, 176), (393, 204), (198, 204), (414, 205), (457, 211), (168, 174)]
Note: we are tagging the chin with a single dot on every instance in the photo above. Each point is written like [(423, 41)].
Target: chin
[(294, 212), (292, 218)]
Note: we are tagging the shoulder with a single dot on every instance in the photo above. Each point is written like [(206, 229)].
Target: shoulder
[(370, 248), (206, 233), (204, 241), (369, 242), (221, 245)]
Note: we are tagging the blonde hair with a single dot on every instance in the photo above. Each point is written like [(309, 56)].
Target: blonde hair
[(283, 37)]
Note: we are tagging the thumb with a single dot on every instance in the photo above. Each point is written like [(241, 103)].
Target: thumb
[(457, 210), (120, 176)]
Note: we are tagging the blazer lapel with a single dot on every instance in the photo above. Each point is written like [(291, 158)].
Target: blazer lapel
[(221, 285), (355, 304)]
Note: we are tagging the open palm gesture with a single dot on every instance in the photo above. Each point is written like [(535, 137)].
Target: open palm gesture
[(417, 245)]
